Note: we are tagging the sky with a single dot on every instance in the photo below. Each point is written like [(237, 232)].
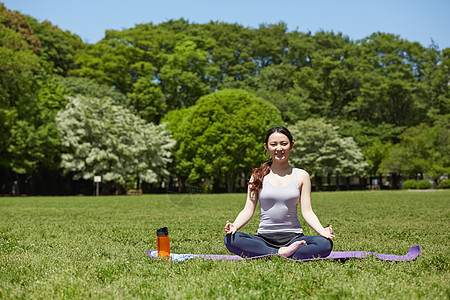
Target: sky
[(414, 20)]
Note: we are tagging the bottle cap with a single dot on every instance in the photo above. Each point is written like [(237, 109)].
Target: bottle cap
[(162, 231)]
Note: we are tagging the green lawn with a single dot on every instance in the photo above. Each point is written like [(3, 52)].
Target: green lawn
[(95, 247)]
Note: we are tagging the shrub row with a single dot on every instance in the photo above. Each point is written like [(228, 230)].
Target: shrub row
[(412, 184), (444, 184), (424, 184)]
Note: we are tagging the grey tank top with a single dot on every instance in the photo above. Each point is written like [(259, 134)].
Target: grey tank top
[(279, 206)]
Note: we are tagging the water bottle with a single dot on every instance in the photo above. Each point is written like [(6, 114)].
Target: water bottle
[(162, 243)]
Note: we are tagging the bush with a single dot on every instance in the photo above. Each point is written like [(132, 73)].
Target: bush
[(409, 184), (444, 184), (424, 184)]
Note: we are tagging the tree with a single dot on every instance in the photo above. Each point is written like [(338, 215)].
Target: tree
[(24, 131), (148, 99), (374, 156), (16, 32), (320, 150), (269, 44), (181, 76), (277, 84), (422, 149), (436, 83), (221, 136), (87, 87), (231, 54), (109, 62), (18, 89), (102, 138), (389, 72), (58, 48), (315, 79)]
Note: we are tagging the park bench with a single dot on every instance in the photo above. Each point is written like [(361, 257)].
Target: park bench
[(134, 192)]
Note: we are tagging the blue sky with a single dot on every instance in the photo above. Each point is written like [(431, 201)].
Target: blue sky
[(414, 20)]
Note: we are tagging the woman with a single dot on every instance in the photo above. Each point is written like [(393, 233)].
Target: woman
[(279, 187)]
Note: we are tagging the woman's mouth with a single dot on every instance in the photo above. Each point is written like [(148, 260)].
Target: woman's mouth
[(279, 155)]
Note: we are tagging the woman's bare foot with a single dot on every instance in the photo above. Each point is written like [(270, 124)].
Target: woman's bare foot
[(289, 250)]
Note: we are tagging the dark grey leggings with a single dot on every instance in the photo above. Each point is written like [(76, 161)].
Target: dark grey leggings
[(247, 245)]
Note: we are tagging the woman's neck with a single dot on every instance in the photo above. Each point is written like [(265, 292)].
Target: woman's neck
[(281, 168)]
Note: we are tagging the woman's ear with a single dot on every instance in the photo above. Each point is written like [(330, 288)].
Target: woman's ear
[(292, 145), (265, 147)]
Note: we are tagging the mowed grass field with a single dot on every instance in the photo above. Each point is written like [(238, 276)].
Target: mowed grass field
[(95, 247)]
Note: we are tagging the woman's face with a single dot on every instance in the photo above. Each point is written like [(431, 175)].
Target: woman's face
[(278, 146)]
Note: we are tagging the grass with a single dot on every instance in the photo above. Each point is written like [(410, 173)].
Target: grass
[(95, 247)]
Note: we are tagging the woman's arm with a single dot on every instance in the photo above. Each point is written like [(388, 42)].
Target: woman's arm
[(244, 216), (305, 203)]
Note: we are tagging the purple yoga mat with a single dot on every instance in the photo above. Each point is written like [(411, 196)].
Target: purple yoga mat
[(413, 253)]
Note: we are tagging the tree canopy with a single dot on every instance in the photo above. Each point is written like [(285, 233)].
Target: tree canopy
[(101, 138), (319, 148), (377, 90), (422, 149), (221, 136)]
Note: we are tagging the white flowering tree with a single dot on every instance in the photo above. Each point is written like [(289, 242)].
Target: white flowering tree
[(103, 138), (320, 150)]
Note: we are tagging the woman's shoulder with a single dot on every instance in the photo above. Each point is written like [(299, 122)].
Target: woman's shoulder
[(301, 173), (302, 177)]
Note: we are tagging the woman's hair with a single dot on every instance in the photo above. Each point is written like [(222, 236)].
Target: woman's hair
[(258, 174)]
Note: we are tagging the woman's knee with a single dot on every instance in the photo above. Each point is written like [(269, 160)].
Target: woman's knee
[(326, 245), (322, 244), (227, 239), (236, 243), (230, 239)]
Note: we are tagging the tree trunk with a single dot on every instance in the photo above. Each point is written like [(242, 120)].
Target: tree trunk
[(395, 181), (381, 180), (338, 187), (362, 183), (319, 184), (138, 182), (230, 183), (216, 185)]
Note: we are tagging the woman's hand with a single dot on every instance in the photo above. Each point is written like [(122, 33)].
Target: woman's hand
[(230, 228), (327, 232)]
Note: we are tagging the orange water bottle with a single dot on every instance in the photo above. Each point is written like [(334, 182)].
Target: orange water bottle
[(162, 243)]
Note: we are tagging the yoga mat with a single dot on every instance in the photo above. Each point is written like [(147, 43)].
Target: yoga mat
[(413, 253)]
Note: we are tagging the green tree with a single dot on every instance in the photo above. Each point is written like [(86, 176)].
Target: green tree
[(87, 87), (221, 136), (422, 149), (436, 82), (102, 138), (58, 48), (148, 99), (320, 150), (17, 89), (277, 84), (31, 146), (15, 31), (315, 79), (231, 55), (334, 64), (389, 71), (20, 123), (29, 95), (374, 156), (181, 76), (109, 62), (269, 45)]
